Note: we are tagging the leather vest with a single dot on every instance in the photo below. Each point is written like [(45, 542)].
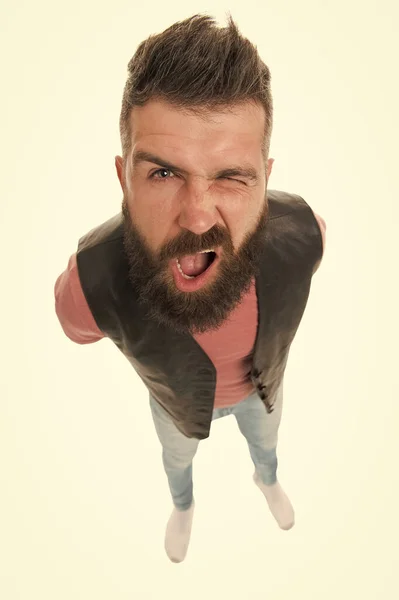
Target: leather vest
[(173, 366)]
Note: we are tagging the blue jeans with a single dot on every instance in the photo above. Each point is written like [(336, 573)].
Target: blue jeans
[(258, 427)]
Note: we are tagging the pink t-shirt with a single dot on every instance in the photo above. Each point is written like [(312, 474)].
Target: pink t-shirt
[(228, 348)]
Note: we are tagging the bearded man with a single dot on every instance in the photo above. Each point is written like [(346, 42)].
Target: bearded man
[(203, 276)]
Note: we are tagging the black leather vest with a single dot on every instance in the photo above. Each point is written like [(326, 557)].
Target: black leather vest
[(173, 366)]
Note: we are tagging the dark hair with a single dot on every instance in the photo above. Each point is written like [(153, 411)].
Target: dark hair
[(198, 67)]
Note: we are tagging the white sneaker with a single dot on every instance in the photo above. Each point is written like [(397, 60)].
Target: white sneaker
[(178, 533), (279, 503)]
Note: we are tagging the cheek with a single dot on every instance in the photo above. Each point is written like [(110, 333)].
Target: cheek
[(239, 217), (154, 219)]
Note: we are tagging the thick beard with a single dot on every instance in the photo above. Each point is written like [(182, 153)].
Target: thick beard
[(208, 308)]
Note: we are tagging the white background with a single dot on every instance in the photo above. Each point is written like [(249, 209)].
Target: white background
[(84, 499)]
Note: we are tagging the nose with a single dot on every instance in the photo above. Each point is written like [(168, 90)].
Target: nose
[(198, 211)]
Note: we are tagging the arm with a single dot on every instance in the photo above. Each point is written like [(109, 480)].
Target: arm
[(72, 309)]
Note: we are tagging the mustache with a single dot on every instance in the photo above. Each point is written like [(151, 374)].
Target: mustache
[(188, 244)]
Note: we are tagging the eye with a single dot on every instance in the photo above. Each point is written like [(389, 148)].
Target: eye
[(234, 180), (159, 174)]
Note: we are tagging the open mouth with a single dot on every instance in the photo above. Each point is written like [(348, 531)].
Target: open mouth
[(193, 271), (193, 265)]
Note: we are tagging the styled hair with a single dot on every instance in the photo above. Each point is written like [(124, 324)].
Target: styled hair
[(198, 67)]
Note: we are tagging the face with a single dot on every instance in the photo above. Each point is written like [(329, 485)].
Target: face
[(190, 184)]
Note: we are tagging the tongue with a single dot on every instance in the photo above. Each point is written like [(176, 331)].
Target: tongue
[(194, 264)]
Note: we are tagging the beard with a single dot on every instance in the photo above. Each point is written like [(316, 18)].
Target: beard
[(204, 309)]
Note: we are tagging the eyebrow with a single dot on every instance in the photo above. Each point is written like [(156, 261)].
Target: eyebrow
[(246, 171)]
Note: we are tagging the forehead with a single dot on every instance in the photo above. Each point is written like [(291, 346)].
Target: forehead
[(238, 129)]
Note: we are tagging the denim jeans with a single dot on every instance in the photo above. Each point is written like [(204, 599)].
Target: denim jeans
[(259, 427)]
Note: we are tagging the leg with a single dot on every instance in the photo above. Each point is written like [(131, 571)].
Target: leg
[(177, 454), (261, 432)]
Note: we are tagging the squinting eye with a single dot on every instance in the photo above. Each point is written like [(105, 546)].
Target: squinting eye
[(155, 173), (234, 180)]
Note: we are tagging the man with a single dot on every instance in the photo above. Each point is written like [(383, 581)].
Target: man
[(202, 278)]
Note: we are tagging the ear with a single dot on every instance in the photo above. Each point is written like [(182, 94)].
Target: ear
[(119, 164), (270, 162)]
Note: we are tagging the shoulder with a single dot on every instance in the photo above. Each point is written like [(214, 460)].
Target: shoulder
[(294, 228)]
